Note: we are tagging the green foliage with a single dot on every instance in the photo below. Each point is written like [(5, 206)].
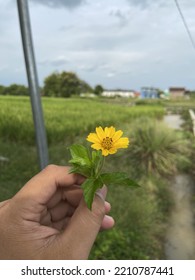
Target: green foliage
[(16, 172), (90, 186), (139, 228), (81, 162), (119, 178), (192, 94), (155, 148), (188, 128), (89, 164), (14, 89), (98, 90), (151, 102), (65, 119), (2, 90), (52, 85), (64, 84), (119, 245), (179, 106), (187, 124)]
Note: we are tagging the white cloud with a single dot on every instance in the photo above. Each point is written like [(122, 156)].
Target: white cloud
[(59, 61), (119, 43), (111, 74)]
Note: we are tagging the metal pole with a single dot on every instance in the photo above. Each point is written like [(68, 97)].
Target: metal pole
[(25, 27)]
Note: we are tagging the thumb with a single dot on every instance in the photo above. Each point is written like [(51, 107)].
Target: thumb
[(85, 225)]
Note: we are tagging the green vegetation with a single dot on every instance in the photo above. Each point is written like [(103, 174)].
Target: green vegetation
[(140, 224), (157, 149), (64, 84), (188, 130), (64, 118), (14, 89), (98, 90), (140, 214)]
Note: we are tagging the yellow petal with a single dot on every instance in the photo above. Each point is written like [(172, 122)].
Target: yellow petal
[(92, 137), (105, 152), (96, 146), (111, 131), (117, 135), (121, 143), (106, 129), (112, 151), (100, 133)]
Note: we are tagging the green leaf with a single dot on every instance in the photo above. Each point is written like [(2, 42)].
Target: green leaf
[(96, 156), (80, 161), (86, 172), (80, 154), (89, 188), (120, 178)]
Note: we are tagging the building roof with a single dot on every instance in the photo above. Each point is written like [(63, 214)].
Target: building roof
[(177, 89)]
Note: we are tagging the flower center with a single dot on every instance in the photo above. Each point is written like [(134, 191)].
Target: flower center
[(107, 143)]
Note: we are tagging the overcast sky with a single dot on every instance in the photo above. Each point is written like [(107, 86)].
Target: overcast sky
[(117, 43)]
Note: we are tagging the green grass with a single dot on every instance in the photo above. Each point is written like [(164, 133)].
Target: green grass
[(141, 217), (22, 165), (64, 118)]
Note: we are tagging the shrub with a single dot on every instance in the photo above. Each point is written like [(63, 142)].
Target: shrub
[(155, 148)]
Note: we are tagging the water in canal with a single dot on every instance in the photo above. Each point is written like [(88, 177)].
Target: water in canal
[(180, 238)]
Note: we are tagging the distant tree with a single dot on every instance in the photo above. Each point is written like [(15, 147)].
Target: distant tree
[(15, 89), (159, 93), (98, 90), (84, 87), (2, 88), (64, 84), (70, 84), (52, 85)]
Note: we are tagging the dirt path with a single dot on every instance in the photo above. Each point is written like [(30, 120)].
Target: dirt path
[(180, 239)]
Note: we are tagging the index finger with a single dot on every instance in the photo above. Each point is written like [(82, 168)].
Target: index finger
[(44, 185)]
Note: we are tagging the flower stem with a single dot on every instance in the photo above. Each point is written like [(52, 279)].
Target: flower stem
[(99, 166)]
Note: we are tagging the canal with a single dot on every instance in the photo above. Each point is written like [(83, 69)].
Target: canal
[(180, 237)]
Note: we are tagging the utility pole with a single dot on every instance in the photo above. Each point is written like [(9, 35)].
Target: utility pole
[(37, 111)]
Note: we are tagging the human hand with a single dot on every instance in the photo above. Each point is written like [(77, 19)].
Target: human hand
[(48, 218)]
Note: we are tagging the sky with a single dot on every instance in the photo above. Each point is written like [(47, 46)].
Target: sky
[(122, 44)]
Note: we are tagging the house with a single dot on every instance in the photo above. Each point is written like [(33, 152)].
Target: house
[(88, 95), (177, 92), (149, 92), (118, 93)]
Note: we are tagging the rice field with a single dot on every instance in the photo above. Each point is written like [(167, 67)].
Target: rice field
[(65, 118)]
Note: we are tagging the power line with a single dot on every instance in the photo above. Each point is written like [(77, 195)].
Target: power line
[(185, 23)]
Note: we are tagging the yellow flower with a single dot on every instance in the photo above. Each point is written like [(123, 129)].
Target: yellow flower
[(108, 140)]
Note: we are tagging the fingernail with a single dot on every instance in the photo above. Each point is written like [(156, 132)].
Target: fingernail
[(102, 192), (109, 220)]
